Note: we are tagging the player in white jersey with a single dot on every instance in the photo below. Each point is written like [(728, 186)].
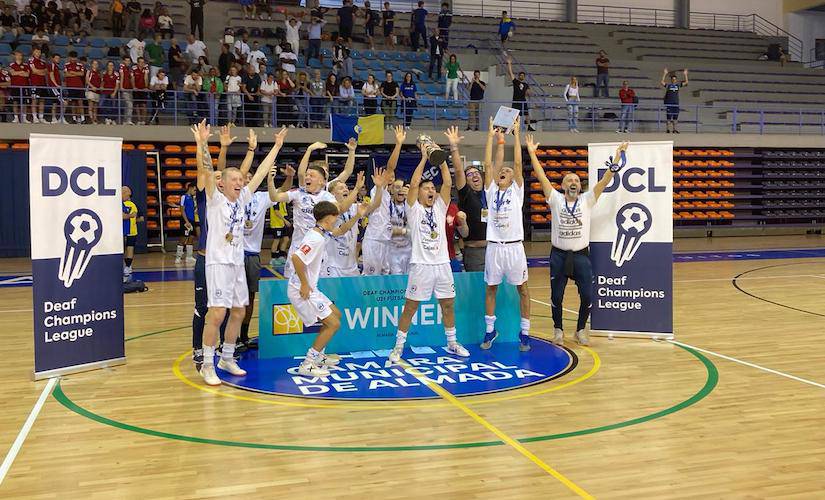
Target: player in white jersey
[(570, 255), (376, 246), (225, 276), (342, 259), (311, 305), (430, 270), (312, 183), (505, 258), (400, 244)]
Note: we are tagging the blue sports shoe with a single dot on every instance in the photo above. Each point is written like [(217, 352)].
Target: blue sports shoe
[(524, 342), (488, 339)]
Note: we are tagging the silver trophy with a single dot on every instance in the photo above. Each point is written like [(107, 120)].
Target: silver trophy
[(434, 153)]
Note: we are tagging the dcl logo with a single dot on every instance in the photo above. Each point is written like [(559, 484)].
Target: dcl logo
[(634, 180), (81, 181)]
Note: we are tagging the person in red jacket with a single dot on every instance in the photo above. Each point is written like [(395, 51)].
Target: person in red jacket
[(5, 83), (20, 73), (94, 84), (140, 80), (37, 80), (126, 86), (109, 101), (628, 98), (55, 95), (74, 77)]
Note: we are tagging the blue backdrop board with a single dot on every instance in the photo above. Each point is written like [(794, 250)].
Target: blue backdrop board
[(631, 242), (77, 253), (370, 307)]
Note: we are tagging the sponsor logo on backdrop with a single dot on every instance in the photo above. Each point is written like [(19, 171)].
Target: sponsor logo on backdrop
[(633, 221), (82, 231)]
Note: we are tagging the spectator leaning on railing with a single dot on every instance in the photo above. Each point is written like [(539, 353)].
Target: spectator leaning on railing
[(627, 96), (317, 90), (74, 75), (572, 98), (477, 88), (389, 99), (409, 94), (141, 80), (94, 83), (369, 91), (268, 88), (192, 88)]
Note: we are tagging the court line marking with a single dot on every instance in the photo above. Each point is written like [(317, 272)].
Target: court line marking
[(711, 381), (24, 431), (448, 396), (747, 363), (597, 363)]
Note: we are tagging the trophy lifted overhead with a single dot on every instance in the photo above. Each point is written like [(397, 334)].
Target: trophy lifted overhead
[(434, 153)]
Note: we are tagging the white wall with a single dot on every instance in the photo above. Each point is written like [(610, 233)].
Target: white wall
[(771, 10), (807, 26)]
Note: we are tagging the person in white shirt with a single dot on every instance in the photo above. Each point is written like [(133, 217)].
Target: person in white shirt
[(136, 48), (505, 258), (256, 57), (312, 184), (254, 215), (310, 303), (225, 276), (233, 95), (400, 252), (430, 270), (293, 33), (572, 98), (242, 49), (195, 49), (158, 83), (288, 60), (570, 236), (269, 88), (192, 87)]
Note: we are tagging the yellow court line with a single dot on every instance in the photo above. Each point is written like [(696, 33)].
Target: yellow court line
[(445, 394), (362, 405), (276, 273)]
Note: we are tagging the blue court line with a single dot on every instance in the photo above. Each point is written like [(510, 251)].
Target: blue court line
[(168, 275)]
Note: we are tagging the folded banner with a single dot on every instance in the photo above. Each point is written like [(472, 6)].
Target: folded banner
[(366, 129), (631, 241), (370, 307), (77, 253)]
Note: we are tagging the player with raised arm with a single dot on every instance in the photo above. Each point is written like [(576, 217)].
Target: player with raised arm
[(570, 255), (310, 303), (342, 259), (376, 247), (225, 276), (505, 259), (430, 270)]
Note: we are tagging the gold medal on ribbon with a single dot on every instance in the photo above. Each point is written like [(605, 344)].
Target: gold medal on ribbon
[(433, 235), (229, 237), (248, 224)]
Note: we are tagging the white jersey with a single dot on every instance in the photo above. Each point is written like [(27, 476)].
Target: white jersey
[(429, 239), (254, 215), (311, 252), (225, 219), (380, 226), (341, 250), (302, 205), (398, 219), (571, 221), (504, 219)]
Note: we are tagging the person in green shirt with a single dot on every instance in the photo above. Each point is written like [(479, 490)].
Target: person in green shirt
[(155, 54), (452, 67), (213, 86)]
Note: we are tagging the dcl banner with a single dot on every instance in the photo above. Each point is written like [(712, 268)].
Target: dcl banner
[(370, 308), (77, 253), (631, 241)]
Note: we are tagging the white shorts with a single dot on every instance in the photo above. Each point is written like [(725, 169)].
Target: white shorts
[(426, 279), (505, 261), (339, 272), (399, 259), (375, 256), (226, 286), (312, 310)]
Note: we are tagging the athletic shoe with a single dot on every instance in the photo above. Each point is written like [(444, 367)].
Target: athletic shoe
[(209, 375), (582, 337), (309, 369), (395, 355), (35, 119), (619, 131), (488, 339), (240, 346), (558, 336), (25, 120), (190, 260), (232, 367), (329, 360), (178, 261), (458, 350), (197, 358), (524, 342), (15, 120), (252, 344), (530, 128)]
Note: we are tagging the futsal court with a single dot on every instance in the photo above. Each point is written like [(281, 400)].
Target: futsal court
[(730, 408)]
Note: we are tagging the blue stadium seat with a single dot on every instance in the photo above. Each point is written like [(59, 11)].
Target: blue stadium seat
[(95, 53), (376, 65), (5, 49), (60, 40), (411, 56), (7, 37), (383, 55), (326, 52), (97, 42), (360, 64), (61, 51), (25, 49), (315, 64), (355, 54), (398, 56), (25, 38), (368, 54)]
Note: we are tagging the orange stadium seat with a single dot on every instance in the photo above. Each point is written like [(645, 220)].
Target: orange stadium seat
[(173, 186), (152, 225), (581, 152), (173, 174), (127, 147), (190, 162), (150, 160), (20, 146), (173, 199), (151, 212), (172, 162), (535, 185), (568, 152), (537, 219), (552, 164), (4, 145), (151, 201), (214, 150), (173, 224), (537, 197), (146, 147), (581, 163), (150, 173), (553, 152), (173, 212), (151, 186), (726, 215), (190, 174), (538, 208), (172, 148), (727, 153), (190, 148)]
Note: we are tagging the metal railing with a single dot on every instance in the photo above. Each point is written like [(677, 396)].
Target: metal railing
[(608, 14), (182, 108)]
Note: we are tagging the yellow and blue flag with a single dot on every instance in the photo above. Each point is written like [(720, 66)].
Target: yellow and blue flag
[(366, 129)]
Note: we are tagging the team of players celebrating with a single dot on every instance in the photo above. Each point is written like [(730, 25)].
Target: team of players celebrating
[(406, 234)]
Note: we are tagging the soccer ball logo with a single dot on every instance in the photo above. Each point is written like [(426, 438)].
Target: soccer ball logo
[(82, 230), (632, 222)]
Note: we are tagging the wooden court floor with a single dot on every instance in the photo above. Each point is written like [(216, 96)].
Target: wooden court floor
[(736, 409)]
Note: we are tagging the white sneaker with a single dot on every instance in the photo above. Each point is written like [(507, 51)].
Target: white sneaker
[(232, 367), (209, 375), (15, 120), (26, 120), (129, 123), (35, 119), (395, 354), (558, 336), (582, 337), (309, 369), (178, 261), (329, 360), (458, 350), (54, 121), (619, 131), (190, 260)]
